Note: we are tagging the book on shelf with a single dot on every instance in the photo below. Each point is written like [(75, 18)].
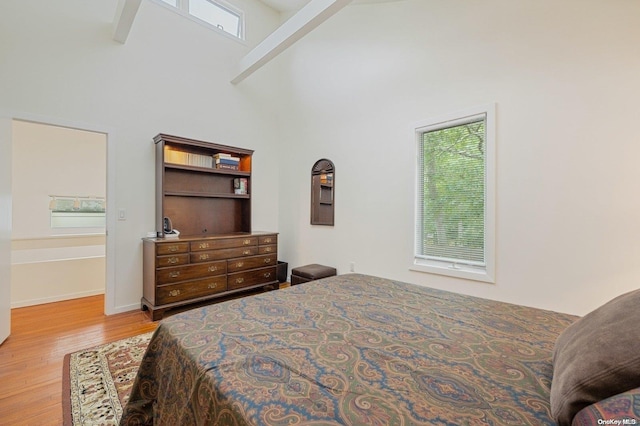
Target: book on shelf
[(221, 156), (173, 156), (184, 158), (326, 179), (227, 161), (240, 186), (227, 166)]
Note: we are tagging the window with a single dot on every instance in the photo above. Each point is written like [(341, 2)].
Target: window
[(77, 212), (455, 195), (215, 13)]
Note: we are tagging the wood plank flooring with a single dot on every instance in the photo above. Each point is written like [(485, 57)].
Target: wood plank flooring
[(31, 358)]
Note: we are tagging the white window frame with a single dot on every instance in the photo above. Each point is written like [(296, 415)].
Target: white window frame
[(486, 272), (182, 8)]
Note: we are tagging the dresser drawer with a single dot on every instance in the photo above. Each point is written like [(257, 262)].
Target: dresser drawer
[(171, 248), (250, 278), (223, 243), (173, 260), (189, 272), (242, 264), (207, 256), (190, 289), (268, 249), (192, 269), (268, 239)]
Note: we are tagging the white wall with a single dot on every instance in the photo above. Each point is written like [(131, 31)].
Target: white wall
[(58, 273), (59, 62), (564, 76), (52, 160)]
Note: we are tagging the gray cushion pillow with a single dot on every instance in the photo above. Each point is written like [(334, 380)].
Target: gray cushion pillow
[(596, 357)]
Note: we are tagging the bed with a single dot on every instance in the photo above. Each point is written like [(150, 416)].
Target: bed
[(350, 350)]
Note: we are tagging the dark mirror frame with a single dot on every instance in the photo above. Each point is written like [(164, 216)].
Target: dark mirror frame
[(323, 181)]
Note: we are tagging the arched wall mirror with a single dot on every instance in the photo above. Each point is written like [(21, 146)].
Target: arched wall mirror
[(322, 192)]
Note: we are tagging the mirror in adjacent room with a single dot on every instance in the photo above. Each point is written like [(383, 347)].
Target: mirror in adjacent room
[(322, 192)]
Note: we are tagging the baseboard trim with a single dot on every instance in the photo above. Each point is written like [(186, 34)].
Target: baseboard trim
[(126, 308), (57, 298)]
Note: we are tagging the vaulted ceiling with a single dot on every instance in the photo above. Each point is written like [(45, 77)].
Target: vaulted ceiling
[(285, 5), (306, 15), (294, 5)]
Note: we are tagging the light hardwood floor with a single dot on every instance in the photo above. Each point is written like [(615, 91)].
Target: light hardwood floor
[(31, 358)]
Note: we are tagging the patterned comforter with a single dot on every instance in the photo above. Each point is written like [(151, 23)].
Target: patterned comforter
[(349, 350)]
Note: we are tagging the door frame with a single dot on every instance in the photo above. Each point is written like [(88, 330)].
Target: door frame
[(110, 230), (5, 227)]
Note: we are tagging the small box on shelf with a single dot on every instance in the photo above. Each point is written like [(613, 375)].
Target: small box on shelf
[(240, 186)]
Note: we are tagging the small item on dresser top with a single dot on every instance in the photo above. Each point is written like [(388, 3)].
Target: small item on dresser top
[(169, 232), (173, 234)]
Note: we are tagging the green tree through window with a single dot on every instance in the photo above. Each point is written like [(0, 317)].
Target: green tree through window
[(453, 184)]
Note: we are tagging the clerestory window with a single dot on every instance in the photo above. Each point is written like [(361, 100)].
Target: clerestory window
[(455, 200), (216, 13)]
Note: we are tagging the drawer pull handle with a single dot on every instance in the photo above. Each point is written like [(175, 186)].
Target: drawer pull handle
[(174, 274), (267, 260), (239, 264), (174, 249), (246, 242), (174, 293), (267, 250), (267, 240), (204, 256), (246, 252), (213, 268), (173, 260), (203, 245), (212, 285), (267, 275), (239, 280)]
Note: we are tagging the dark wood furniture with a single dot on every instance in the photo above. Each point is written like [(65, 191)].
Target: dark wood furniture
[(216, 254), (200, 200), (322, 193), (191, 270), (306, 273)]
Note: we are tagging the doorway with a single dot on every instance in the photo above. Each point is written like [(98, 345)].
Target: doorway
[(59, 188)]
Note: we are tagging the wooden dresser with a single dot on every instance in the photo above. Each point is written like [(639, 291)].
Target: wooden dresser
[(181, 271), (203, 190)]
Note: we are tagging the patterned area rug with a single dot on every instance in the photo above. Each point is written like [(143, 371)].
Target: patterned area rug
[(96, 382)]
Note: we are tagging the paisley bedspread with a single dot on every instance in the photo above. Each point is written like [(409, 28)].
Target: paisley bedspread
[(349, 350)]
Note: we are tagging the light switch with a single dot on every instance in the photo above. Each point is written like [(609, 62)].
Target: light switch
[(122, 214)]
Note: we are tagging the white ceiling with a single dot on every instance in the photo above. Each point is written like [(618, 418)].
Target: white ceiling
[(286, 5), (293, 5)]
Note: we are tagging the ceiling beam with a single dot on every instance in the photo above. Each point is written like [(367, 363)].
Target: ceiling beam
[(123, 21), (296, 27)]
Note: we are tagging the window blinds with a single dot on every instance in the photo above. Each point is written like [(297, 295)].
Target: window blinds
[(451, 192)]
